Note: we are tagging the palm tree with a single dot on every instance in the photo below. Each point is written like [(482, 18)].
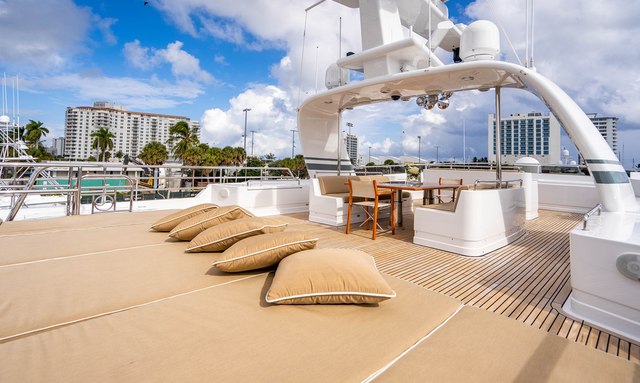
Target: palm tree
[(33, 132), (239, 156), (103, 141), (194, 156), (154, 153), (184, 138), (228, 156)]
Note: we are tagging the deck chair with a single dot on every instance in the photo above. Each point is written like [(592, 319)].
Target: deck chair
[(369, 191), (447, 195)]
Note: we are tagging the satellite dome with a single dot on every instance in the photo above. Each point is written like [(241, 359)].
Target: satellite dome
[(528, 165), (480, 41), (4, 119)]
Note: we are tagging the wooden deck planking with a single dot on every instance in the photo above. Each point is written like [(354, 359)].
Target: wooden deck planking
[(527, 281)]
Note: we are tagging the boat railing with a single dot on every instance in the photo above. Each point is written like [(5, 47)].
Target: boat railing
[(585, 219), (504, 184), (105, 196), (102, 184)]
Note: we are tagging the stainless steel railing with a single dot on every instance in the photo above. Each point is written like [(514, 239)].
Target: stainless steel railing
[(594, 210), (114, 181), (498, 184)]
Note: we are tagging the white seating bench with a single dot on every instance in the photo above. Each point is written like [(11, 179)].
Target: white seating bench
[(480, 220)]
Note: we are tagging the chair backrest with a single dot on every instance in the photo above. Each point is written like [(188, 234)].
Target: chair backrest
[(333, 184), (449, 181), (380, 178), (364, 189)]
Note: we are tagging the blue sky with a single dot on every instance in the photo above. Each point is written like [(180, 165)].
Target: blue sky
[(209, 60)]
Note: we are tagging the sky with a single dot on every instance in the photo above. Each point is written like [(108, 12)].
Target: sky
[(210, 60)]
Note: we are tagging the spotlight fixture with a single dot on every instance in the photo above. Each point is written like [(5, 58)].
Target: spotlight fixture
[(443, 101), (432, 99), (429, 101)]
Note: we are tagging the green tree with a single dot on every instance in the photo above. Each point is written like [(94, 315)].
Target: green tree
[(239, 156), (102, 141), (269, 157), (33, 132), (40, 153), (153, 153), (389, 162), (370, 164), (300, 167), (119, 155), (228, 156), (194, 156), (182, 137)]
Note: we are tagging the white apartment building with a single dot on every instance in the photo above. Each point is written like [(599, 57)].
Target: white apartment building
[(526, 135), (351, 141), (538, 136), (132, 130), (608, 128), (57, 146)]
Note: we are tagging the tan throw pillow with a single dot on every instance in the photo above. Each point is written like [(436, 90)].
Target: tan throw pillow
[(172, 220), (187, 230), (263, 251), (328, 276), (222, 236)]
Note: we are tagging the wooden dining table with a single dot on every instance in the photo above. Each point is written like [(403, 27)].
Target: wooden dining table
[(427, 189)]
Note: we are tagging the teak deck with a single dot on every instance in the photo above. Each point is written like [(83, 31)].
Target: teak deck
[(527, 280)]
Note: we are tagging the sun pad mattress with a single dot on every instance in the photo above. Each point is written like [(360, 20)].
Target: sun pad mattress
[(481, 346), (227, 333)]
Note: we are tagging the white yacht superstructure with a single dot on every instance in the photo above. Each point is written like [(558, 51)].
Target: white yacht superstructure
[(398, 68)]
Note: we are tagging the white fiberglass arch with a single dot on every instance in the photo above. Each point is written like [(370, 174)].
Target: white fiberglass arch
[(320, 133)]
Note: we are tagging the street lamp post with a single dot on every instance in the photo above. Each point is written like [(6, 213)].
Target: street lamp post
[(437, 159), (293, 141), (245, 110), (252, 134), (419, 138)]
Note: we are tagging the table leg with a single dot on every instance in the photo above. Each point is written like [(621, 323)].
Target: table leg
[(399, 196)]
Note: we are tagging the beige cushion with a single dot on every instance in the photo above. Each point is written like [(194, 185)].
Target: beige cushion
[(328, 276), (187, 230), (263, 251), (222, 236), (333, 184), (172, 220)]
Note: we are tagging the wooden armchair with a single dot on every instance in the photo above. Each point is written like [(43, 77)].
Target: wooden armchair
[(369, 191)]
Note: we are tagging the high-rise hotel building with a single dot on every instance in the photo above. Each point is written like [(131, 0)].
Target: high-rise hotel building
[(132, 130), (607, 126), (351, 141), (526, 135), (538, 136)]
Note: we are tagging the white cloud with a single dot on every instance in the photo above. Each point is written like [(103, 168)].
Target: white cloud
[(136, 94), (183, 64), (137, 55), (41, 34), (271, 117), (104, 25), (220, 59)]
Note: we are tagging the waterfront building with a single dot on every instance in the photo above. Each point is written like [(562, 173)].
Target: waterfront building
[(351, 141), (526, 135), (608, 127), (57, 146), (538, 136), (132, 130)]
